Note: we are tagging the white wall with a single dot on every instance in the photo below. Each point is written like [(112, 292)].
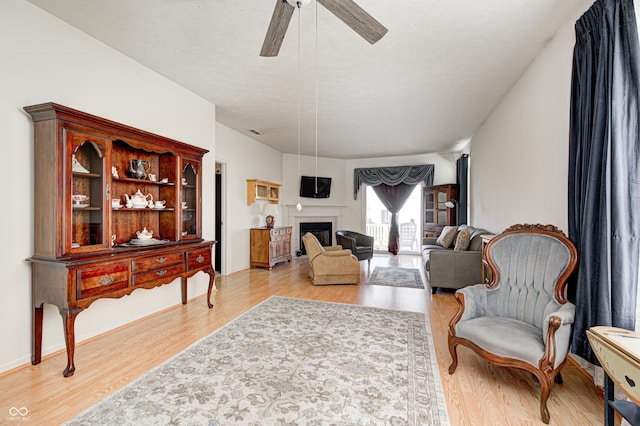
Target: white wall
[(519, 156), (327, 167), (246, 159), (44, 59)]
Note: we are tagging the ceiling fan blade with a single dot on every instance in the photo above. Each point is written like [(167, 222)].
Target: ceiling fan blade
[(277, 28), (356, 18)]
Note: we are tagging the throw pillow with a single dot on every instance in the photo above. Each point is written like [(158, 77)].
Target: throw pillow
[(447, 236), (462, 240)]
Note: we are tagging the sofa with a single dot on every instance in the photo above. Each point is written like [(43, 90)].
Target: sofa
[(330, 265), (454, 269)]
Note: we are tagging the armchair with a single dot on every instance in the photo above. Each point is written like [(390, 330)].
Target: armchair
[(361, 245), (522, 318), (330, 265)]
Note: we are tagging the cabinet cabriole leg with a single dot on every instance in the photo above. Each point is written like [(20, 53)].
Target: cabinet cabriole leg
[(184, 291), (69, 318), (36, 356), (212, 275)]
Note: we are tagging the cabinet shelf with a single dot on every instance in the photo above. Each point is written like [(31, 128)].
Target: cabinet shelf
[(86, 209), (146, 209), (86, 175), (143, 181)]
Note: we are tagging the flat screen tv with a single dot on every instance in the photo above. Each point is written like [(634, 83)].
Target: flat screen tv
[(308, 187)]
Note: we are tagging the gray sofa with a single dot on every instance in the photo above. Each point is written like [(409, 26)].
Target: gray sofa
[(447, 268)]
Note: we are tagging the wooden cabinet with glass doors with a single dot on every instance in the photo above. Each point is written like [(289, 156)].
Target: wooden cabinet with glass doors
[(116, 209), (436, 214)]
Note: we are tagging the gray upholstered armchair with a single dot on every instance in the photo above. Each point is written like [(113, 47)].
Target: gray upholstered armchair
[(361, 245), (522, 318)]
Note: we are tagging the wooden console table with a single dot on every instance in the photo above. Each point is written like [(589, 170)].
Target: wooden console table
[(74, 284), (618, 351)]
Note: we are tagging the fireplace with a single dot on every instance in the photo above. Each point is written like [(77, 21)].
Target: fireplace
[(322, 230)]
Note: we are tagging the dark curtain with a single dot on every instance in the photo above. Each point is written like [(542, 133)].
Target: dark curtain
[(374, 176), (393, 198), (604, 179), (393, 185), (462, 169)]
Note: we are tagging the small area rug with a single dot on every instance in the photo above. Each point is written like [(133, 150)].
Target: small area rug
[(292, 361), (396, 277)]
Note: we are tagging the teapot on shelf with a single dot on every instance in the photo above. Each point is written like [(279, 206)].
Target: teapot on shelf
[(138, 168), (144, 234), (139, 200)]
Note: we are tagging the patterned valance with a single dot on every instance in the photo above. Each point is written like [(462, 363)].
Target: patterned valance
[(374, 176)]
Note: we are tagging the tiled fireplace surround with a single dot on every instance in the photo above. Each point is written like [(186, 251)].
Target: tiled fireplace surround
[(294, 217)]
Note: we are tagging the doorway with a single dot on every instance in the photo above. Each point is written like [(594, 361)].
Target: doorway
[(378, 221), (219, 246)]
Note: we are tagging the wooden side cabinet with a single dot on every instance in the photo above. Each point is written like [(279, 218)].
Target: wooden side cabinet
[(436, 214), (270, 246), (97, 186)]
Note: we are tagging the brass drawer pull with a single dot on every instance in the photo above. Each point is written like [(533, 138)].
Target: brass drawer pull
[(200, 259), (161, 273), (161, 260), (106, 280)]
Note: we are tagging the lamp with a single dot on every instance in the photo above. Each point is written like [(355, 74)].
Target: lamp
[(271, 212)]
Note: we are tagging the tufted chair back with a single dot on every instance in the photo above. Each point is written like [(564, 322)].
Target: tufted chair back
[(527, 268)]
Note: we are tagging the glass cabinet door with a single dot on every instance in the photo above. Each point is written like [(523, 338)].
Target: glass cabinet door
[(190, 196), (442, 199), (429, 201), (87, 223)]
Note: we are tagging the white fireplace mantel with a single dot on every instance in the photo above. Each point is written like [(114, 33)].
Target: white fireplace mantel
[(315, 213)]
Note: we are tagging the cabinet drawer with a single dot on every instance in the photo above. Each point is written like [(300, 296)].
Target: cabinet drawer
[(102, 279), (157, 262), (198, 258), (157, 274)]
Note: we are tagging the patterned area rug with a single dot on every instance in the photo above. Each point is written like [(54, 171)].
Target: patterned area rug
[(396, 277), (292, 361)]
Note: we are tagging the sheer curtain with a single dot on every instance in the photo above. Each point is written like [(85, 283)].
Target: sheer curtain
[(604, 169)]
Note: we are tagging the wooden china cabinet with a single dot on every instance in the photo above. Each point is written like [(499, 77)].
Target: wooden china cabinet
[(436, 214), (96, 187)]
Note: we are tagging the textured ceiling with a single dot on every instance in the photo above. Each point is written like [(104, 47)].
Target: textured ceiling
[(425, 87)]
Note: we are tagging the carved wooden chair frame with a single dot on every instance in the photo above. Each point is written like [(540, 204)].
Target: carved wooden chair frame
[(545, 373)]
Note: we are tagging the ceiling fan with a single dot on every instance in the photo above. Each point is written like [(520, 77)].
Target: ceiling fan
[(346, 10)]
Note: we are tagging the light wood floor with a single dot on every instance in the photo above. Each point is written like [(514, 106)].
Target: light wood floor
[(477, 394)]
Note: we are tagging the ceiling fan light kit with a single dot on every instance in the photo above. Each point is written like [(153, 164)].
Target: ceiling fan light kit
[(347, 11), (298, 3)]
